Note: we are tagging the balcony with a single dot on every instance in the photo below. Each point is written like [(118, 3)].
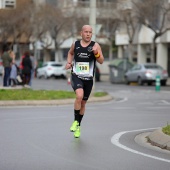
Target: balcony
[(82, 9)]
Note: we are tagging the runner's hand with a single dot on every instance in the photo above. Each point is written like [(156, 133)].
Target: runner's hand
[(68, 66)]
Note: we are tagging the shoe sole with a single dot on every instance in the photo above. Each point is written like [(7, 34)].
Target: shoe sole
[(77, 136), (72, 131)]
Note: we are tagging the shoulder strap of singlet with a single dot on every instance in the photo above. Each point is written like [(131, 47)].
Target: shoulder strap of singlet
[(92, 43), (76, 43)]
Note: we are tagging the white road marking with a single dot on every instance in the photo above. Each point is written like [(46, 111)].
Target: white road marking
[(115, 141), (165, 102), (122, 100)]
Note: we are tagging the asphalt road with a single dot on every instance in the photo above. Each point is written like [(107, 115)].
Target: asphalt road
[(38, 138)]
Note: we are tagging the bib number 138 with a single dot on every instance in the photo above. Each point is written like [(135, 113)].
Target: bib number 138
[(82, 67)]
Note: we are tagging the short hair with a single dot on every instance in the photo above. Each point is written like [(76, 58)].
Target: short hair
[(27, 53)]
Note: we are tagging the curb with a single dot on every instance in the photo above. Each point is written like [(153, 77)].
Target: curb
[(51, 102), (160, 139)]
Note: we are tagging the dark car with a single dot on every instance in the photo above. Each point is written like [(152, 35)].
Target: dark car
[(97, 74)]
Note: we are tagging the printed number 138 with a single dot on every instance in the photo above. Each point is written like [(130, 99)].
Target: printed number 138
[(83, 67)]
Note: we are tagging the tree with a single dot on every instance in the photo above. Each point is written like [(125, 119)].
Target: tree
[(51, 28), (15, 24), (129, 23), (155, 15)]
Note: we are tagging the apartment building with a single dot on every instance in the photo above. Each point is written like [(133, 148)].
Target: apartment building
[(142, 43), (7, 4), (105, 12), (81, 10), (8, 9)]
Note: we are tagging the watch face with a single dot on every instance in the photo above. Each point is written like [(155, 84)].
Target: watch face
[(90, 48)]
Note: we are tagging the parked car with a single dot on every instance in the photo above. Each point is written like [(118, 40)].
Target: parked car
[(50, 69), (1, 67), (146, 73), (97, 74)]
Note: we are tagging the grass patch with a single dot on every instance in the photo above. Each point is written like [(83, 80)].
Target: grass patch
[(100, 94), (166, 130), (29, 94)]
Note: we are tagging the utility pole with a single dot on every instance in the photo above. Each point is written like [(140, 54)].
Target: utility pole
[(92, 18), (92, 22)]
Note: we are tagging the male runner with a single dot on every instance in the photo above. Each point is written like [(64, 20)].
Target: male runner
[(82, 58)]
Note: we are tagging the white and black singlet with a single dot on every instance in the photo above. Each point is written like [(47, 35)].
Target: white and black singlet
[(83, 68), (84, 61)]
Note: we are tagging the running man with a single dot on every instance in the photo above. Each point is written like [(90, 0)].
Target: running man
[(82, 58)]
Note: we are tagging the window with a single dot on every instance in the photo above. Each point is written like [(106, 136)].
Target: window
[(7, 4)]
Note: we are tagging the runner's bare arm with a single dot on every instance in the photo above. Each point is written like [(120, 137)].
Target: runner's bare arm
[(70, 57), (98, 53)]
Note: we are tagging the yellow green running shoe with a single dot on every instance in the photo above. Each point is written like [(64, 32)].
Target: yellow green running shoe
[(77, 132), (74, 126)]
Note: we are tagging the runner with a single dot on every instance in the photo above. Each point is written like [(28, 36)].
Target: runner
[(82, 58)]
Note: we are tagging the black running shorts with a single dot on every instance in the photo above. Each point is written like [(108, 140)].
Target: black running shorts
[(78, 83)]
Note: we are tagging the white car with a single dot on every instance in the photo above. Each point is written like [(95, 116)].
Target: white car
[(51, 69)]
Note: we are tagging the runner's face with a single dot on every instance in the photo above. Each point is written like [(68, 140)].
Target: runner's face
[(86, 34)]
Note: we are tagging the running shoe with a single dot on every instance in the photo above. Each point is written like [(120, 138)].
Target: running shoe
[(77, 132), (74, 126)]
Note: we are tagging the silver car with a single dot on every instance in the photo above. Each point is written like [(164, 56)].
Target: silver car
[(50, 69), (146, 73)]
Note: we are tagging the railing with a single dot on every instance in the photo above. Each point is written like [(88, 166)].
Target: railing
[(86, 4), (104, 9), (98, 4)]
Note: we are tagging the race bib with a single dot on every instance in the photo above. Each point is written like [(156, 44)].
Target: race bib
[(82, 68)]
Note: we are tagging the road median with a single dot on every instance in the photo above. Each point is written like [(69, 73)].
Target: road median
[(50, 102), (160, 139)]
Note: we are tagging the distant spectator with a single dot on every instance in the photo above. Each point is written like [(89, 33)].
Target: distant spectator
[(34, 65), (6, 61), (13, 75), (21, 65), (14, 70), (27, 67)]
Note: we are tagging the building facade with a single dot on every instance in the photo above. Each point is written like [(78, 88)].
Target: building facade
[(142, 44)]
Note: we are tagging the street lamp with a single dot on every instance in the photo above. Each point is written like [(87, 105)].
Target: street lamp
[(92, 18), (92, 22)]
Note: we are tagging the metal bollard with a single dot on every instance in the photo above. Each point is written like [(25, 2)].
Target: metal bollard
[(157, 83)]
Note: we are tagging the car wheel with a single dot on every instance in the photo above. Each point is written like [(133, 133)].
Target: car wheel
[(97, 78), (163, 83), (63, 76), (126, 81), (45, 76), (140, 82), (149, 83)]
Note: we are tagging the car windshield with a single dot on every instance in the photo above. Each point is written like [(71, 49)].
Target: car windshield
[(152, 67)]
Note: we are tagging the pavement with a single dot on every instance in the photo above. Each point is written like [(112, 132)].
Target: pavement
[(156, 138)]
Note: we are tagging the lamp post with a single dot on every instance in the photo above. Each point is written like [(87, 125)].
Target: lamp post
[(92, 17), (92, 22)]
